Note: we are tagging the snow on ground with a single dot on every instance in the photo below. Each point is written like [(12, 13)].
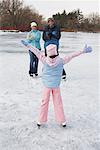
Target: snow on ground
[(20, 98)]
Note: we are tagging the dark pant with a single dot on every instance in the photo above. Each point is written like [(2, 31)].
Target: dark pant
[(63, 73), (33, 63)]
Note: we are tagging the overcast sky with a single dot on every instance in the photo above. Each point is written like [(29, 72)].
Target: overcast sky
[(49, 7)]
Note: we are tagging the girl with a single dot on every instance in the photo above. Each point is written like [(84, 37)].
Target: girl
[(52, 72)]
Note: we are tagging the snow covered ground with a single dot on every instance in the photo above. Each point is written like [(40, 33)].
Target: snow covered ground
[(20, 97)]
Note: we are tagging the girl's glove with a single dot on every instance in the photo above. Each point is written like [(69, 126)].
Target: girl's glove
[(87, 49), (24, 42)]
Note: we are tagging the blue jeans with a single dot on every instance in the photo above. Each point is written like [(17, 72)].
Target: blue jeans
[(33, 63)]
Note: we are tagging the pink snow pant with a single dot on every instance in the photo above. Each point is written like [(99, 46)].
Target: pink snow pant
[(58, 106)]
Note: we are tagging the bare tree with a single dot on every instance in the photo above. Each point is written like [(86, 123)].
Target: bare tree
[(10, 9), (15, 15), (94, 18)]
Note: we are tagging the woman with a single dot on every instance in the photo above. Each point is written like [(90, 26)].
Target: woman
[(33, 38)]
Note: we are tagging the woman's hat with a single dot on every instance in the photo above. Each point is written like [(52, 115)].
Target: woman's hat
[(33, 24), (51, 50)]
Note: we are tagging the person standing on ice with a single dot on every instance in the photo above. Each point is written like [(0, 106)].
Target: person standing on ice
[(52, 35), (52, 72), (33, 38)]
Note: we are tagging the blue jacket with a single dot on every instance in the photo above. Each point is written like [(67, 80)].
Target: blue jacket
[(52, 74), (34, 37), (51, 35), (52, 68)]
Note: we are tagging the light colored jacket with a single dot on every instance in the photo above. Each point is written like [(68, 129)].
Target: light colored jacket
[(34, 37), (52, 69)]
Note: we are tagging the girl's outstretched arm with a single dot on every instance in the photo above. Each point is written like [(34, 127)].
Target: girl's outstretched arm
[(69, 57), (33, 49), (75, 54)]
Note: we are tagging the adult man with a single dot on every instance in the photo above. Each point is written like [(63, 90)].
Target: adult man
[(51, 35)]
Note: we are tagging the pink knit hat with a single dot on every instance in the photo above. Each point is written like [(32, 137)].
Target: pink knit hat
[(51, 50)]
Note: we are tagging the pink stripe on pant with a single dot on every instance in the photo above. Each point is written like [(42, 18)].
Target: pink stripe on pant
[(58, 106)]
